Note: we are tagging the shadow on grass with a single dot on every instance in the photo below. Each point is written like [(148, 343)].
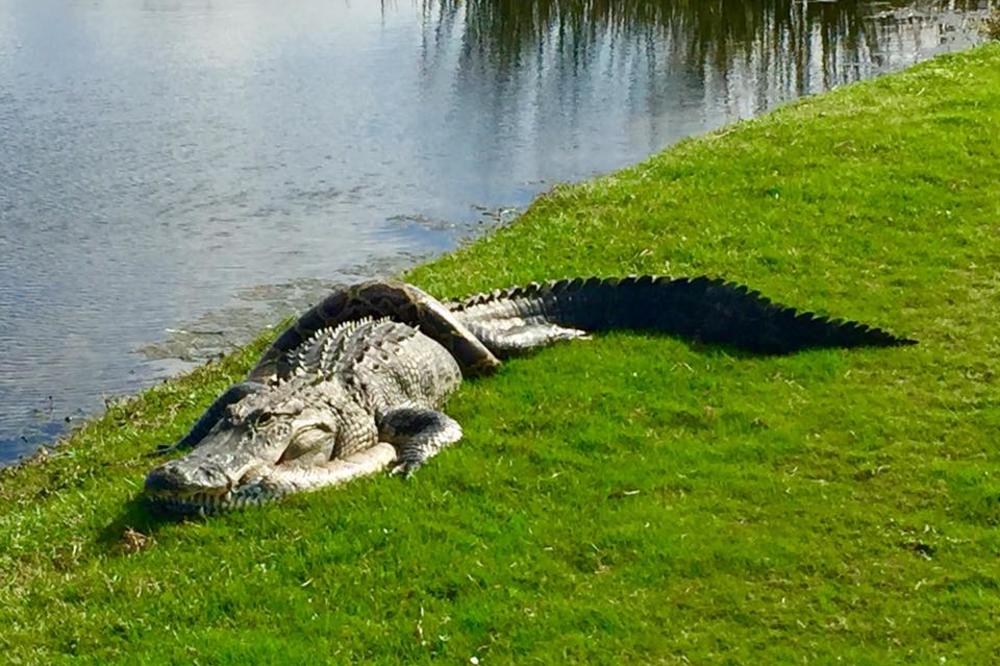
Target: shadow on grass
[(136, 526)]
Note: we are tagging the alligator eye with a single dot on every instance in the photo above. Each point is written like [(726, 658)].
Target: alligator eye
[(263, 419)]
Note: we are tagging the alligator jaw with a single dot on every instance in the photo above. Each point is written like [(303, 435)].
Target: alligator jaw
[(272, 483), (203, 503), (223, 474), (164, 493), (193, 504)]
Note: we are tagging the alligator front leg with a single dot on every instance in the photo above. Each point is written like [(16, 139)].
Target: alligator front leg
[(417, 433)]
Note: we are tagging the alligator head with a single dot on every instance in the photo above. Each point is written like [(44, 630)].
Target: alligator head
[(268, 444)]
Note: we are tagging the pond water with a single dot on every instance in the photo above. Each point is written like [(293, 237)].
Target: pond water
[(175, 174)]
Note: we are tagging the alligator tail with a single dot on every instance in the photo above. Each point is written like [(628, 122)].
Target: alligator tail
[(705, 309)]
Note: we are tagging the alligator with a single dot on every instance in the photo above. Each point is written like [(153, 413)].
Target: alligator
[(355, 386)]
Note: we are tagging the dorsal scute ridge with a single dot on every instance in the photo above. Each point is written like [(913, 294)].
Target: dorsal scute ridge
[(321, 350)]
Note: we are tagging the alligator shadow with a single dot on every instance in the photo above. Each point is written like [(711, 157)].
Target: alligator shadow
[(135, 528)]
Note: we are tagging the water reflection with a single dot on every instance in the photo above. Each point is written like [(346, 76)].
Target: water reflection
[(164, 163), (753, 54)]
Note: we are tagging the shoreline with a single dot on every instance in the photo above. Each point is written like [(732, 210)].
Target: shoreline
[(632, 486)]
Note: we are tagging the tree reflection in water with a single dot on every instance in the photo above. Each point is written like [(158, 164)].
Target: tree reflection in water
[(771, 50)]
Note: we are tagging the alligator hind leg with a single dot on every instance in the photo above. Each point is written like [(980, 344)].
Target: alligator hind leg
[(417, 433)]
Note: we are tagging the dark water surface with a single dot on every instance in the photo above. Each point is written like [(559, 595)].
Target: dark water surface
[(174, 174)]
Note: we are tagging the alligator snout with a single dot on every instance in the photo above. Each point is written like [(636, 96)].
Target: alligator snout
[(175, 478)]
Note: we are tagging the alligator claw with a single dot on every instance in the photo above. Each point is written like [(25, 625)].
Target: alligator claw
[(405, 469)]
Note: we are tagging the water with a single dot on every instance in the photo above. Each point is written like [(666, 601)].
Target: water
[(174, 174)]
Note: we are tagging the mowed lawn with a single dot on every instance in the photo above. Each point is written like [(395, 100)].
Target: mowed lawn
[(631, 498)]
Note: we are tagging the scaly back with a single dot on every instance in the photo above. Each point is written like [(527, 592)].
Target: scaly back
[(396, 300)]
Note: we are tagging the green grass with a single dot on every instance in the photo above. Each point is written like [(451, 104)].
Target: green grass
[(630, 498)]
